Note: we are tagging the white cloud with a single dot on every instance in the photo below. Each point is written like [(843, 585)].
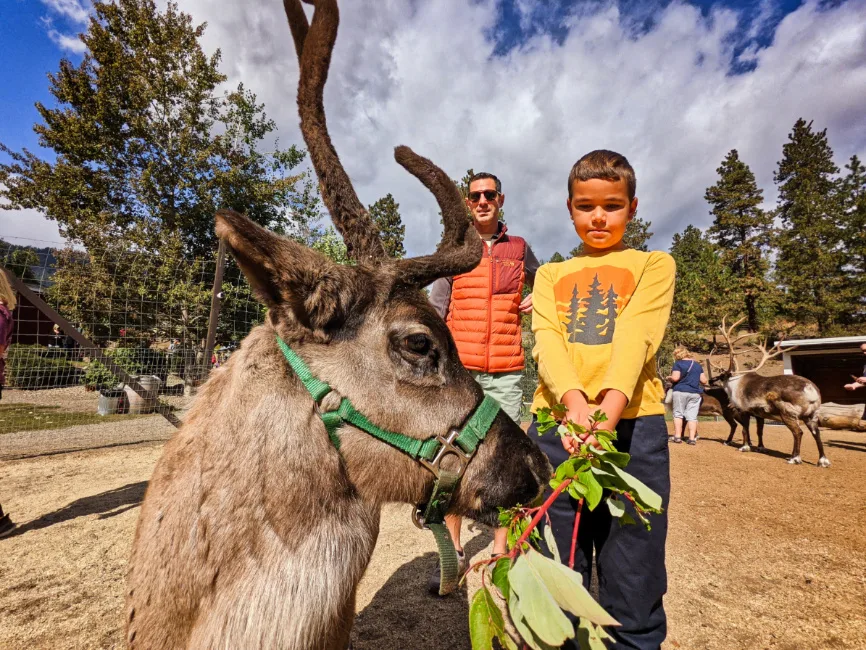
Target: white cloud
[(28, 227), (67, 42), (75, 10), (421, 73)]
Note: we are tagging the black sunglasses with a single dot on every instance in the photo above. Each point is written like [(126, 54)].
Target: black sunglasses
[(490, 195)]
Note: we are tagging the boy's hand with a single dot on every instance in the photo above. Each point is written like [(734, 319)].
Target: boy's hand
[(525, 305), (577, 411)]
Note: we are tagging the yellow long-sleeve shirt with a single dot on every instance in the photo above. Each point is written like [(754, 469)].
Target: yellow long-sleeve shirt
[(598, 321)]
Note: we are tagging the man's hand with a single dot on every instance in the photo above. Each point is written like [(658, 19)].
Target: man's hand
[(526, 304)]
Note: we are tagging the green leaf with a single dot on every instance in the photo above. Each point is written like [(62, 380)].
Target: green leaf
[(522, 626), (480, 620), (566, 588), (599, 416), (576, 490), (500, 576), (539, 608), (626, 520), (570, 467), (616, 507), (639, 490), (551, 542), (593, 489), (590, 636), (618, 458)]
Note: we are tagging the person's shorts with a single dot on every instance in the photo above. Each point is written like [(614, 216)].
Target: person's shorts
[(505, 388), (686, 406)]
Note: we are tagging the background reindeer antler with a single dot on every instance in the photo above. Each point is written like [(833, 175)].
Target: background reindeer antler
[(456, 253), (766, 355)]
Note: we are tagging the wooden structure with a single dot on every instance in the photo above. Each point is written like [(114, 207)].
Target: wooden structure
[(830, 363)]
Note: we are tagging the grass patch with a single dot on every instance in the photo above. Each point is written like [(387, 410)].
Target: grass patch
[(36, 417)]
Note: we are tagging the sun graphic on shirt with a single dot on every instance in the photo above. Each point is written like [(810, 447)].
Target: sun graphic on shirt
[(588, 302)]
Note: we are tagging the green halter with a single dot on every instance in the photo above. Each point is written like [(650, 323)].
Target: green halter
[(462, 443)]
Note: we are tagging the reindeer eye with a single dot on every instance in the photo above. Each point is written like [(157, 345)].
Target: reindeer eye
[(420, 344)]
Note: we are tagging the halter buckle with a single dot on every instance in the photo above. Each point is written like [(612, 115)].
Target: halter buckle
[(448, 447)]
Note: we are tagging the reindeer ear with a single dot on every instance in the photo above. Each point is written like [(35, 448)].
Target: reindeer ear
[(292, 280)]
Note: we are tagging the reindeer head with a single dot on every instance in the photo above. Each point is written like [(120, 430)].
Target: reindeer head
[(733, 372), (368, 330)]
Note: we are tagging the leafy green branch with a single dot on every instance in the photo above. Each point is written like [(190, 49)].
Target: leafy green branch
[(538, 590)]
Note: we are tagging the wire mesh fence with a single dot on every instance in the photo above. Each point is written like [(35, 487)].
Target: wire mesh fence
[(145, 321)]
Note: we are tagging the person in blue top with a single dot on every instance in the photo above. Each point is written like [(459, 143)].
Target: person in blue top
[(688, 379)]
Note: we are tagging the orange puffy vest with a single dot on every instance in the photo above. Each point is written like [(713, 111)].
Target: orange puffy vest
[(483, 313)]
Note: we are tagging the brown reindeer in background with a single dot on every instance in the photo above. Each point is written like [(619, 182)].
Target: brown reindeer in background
[(255, 528), (788, 398)]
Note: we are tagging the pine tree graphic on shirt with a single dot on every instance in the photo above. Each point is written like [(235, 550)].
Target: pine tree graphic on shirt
[(590, 300), (573, 326), (610, 306), (595, 317)]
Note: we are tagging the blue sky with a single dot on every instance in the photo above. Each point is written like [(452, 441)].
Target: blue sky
[(518, 87)]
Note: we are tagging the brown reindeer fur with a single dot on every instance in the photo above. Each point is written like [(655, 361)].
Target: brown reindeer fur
[(255, 529)]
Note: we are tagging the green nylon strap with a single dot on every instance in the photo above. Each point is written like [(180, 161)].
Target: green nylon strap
[(476, 429), (449, 564), (469, 438), (434, 518)]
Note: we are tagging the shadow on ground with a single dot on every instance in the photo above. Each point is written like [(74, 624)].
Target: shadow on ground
[(105, 504), (850, 445), (403, 614)]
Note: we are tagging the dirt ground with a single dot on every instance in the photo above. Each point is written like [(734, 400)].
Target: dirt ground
[(761, 554)]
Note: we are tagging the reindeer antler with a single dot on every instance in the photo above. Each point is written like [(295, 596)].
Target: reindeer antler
[(766, 355), (456, 253), (727, 332), (314, 44)]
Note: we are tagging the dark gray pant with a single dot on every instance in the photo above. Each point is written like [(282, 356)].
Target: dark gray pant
[(630, 561)]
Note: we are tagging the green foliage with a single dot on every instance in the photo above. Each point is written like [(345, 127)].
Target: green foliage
[(331, 245), (135, 360), (556, 257), (703, 291), (811, 259), (852, 194), (637, 234), (386, 215), (742, 231), (539, 590), (145, 147), (36, 366)]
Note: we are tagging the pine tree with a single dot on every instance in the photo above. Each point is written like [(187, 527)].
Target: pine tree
[(742, 231), (637, 234), (610, 305), (852, 195), (575, 327), (556, 257), (702, 295), (386, 215), (594, 320), (575, 251), (810, 260)]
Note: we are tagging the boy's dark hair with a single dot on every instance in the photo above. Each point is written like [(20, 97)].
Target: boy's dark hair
[(482, 175), (606, 165)]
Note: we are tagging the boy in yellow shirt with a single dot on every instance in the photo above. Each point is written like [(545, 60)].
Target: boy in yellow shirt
[(598, 320)]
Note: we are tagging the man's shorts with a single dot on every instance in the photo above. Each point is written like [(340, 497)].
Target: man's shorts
[(686, 406), (505, 388)]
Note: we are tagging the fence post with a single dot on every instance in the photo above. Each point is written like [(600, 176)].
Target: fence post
[(84, 342), (215, 303)]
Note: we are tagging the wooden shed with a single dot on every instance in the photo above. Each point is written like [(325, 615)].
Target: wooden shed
[(829, 363)]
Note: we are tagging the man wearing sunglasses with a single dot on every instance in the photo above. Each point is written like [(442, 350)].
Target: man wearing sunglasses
[(482, 309)]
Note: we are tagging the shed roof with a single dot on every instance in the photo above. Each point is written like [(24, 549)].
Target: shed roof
[(828, 342)]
